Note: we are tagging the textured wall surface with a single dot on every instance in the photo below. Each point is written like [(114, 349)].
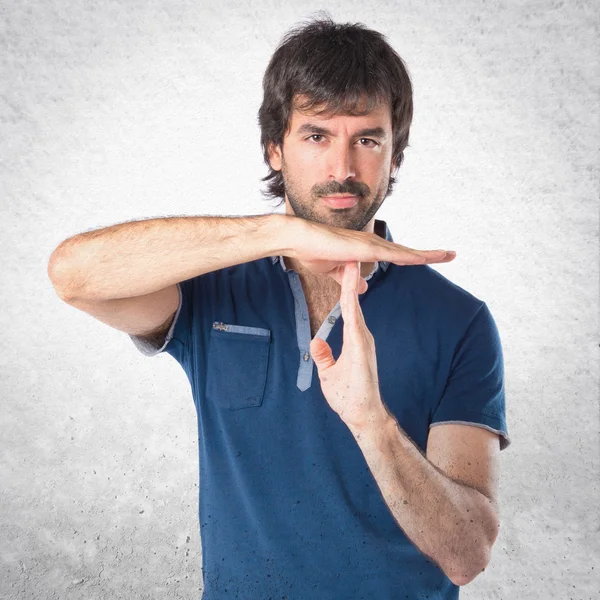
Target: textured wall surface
[(122, 110)]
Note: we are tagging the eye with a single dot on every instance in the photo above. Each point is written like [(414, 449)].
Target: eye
[(369, 140), (316, 135)]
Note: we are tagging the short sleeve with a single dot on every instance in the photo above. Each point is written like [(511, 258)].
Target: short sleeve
[(177, 339), (474, 392)]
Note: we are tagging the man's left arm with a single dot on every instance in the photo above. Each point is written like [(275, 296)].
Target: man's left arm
[(445, 501)]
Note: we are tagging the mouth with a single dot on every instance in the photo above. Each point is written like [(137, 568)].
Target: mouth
[(340, 201)]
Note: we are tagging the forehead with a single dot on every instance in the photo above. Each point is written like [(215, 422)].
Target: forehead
[(379, 115)]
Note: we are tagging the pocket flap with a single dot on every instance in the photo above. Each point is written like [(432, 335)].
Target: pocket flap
[(237, 365)]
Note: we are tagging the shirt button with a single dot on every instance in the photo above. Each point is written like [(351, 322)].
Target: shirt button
[(331, 319), (306, 356)]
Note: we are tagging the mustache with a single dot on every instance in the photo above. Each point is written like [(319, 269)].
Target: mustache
[(354, 188)]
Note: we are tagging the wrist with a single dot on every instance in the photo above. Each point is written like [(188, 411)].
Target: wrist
[(379, 423), (284, 230)]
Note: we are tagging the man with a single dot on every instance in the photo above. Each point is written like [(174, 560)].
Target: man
[(348, 431)]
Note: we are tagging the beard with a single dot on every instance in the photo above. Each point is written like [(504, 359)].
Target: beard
[(313, 209)]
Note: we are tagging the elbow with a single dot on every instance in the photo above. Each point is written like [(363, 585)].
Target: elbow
[(467, 572), (473, 563), (60, 274), (466, 567)]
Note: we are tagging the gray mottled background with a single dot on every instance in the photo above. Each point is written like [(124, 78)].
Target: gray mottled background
[(120, 110)]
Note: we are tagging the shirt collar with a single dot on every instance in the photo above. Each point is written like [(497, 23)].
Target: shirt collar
[(380, 228)]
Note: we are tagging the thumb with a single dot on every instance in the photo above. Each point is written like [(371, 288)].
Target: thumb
[(321, 354)]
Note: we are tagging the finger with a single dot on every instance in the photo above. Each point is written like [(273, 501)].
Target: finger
[(349, 298), (321, 352), (427, 257), (338, 276), (360, 318), (348, 290), (404, 255), (450, 255)]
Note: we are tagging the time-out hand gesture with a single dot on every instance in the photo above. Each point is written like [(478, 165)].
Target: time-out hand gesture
[(350, 385)]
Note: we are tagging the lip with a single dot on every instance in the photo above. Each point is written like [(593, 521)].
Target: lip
[(340, 201)]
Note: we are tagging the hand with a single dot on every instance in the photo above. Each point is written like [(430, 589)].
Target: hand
[(351, 385), (324, 250)]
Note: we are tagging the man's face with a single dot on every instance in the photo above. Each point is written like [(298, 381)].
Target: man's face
[(336, 155)]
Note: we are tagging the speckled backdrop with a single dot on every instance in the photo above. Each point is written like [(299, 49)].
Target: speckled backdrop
[(121, 110)]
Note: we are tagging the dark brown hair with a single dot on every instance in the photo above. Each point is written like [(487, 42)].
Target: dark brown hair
[(335, 66)]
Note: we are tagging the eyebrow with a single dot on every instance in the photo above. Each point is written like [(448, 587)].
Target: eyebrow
[(378, 132)]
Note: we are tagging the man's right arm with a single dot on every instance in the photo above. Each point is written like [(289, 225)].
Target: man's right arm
[(126, 275)]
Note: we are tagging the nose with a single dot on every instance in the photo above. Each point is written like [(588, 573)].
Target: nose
[(341, 162)]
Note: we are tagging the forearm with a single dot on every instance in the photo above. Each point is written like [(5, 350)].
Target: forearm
[(453, 524), (141, 257)]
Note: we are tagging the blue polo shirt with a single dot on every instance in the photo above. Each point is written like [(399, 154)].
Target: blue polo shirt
[(288, 506)]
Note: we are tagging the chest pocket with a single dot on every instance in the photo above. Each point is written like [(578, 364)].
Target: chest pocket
[(237, 365)]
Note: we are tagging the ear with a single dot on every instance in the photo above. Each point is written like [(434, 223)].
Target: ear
[(274, 152)]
